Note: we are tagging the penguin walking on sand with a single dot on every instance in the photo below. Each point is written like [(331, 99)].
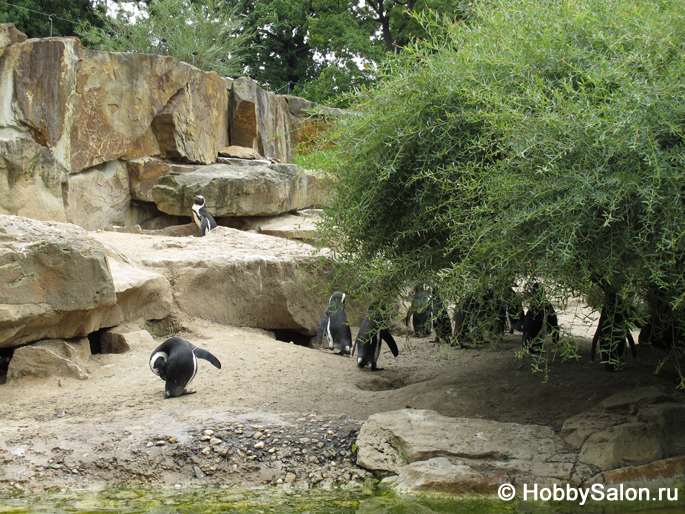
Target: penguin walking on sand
[(540, 319), (334, 326), (202, 217), (175, 361), (371, 335)]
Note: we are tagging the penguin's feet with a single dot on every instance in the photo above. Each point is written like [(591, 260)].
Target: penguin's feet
[(185, 391)]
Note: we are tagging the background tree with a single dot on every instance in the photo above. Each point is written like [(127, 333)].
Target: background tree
[(176, 28), (538, 139), (31, 16), (322, 48)]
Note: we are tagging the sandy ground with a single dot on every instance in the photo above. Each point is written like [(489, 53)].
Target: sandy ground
[(306, 405)]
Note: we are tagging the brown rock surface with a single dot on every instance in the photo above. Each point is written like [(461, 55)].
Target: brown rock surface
[(54, 282), (390, 440), (51, 358)]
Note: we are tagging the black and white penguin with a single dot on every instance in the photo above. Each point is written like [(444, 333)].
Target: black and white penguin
[(371, 335), (202, 217), (540, 319), (175, 361), (334, 326), (612, 333), (419, 314)]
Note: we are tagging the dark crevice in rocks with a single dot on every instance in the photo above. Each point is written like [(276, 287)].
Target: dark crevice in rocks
[(94, 338), (5, 358), (291, 336)]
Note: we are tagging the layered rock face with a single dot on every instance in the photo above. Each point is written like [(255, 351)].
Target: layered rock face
[(54, 282), (264, 190), (86, 135), (231, 277)]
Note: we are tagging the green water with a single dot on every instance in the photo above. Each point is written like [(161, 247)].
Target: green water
[(213, 499)]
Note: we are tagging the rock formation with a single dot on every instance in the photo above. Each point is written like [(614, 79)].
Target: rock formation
[(85, 136)]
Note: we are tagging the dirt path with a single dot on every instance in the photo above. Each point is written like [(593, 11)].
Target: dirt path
[(305, 406)]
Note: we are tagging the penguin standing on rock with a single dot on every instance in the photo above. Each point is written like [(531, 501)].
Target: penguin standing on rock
[(202, 217), (371, 335), (334, 326), (175, 361)]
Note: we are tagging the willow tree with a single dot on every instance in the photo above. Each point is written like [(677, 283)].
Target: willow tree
[(207, 34), (536, 139)]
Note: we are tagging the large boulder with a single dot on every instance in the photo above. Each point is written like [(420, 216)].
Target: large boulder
[(439, 475), (141, 293), (390, 440), (31, 181), (144, 173), (193, 125), (260, 120), (232, 277), (51, 358), (230, 190), (93, 107), (98, 197), (578, 428), (9, 35), (54, 282), (630, 443)]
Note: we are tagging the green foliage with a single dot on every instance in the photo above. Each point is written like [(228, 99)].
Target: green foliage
[(534, 139), (31, 16), (176, 28), (322, 48)]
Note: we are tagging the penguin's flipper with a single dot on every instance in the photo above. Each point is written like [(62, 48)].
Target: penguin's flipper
[(390, 341), (204, 227), (204, 354), (322, 328)]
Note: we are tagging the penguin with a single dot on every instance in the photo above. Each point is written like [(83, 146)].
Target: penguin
[(371, 335), (612, 333), (420, 312), (175, 361), (202, 217), (541, 315), (441, 320), (334, 325)]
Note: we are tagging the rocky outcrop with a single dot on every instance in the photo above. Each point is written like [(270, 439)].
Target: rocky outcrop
[(256, 117), (30, 181), (229, 190), (141, 293), (391, 440), (630, 428), (51, 358), (439, 475), (428, 452), (79, 127), (122, 338), (10, 35), (54, 282), (243, 279)]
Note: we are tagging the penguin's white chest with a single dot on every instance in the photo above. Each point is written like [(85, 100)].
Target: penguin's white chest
[(329, 335), (196, 215)]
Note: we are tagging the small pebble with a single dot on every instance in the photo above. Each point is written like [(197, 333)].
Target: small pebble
[(259, 445), (214, 441), (160, 443), (149, 444), (207, 450), (209, 431)]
